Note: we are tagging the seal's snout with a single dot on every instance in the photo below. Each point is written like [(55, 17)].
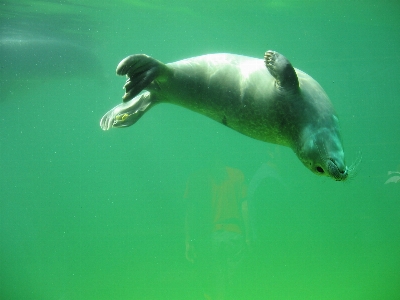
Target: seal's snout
[(338, 173)]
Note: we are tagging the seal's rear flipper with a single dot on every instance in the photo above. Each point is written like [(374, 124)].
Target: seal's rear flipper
[(282, 70), (127, 113), (141, 70)]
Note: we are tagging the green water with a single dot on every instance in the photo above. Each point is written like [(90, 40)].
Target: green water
[(88, 214)]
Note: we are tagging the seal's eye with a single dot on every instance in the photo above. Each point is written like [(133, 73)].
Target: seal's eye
[(319, 170)]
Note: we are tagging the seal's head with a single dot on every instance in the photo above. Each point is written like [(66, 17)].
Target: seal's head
[(313, 126), (321, 151)]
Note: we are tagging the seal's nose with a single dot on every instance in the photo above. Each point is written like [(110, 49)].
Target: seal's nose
[(337, 170)]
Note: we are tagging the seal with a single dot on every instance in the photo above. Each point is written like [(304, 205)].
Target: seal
[(267, 100)]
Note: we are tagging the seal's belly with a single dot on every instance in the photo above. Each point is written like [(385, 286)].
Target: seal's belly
[(242, 100)]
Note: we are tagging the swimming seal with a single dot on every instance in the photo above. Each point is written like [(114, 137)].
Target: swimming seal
[(268, 100)]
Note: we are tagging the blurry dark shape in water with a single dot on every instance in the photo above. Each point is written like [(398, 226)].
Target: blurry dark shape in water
[(393, 179), (44, 40), (26, 57)]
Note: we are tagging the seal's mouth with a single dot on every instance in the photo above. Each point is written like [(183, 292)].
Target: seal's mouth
[(335, 171)]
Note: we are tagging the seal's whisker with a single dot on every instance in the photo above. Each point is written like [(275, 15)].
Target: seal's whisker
[(354, 167)]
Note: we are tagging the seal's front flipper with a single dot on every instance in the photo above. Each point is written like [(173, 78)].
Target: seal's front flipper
[(282, 70), (127, 113), (141, 70)]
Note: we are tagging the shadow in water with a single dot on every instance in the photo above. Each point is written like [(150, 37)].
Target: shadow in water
[(37, 46)]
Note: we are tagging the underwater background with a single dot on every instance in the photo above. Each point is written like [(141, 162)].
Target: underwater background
[(92, 214)]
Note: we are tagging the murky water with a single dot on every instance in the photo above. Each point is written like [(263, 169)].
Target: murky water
[(88, 214)]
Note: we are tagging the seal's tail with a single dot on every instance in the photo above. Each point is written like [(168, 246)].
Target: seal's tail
[(141, 70), (127, 113)]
